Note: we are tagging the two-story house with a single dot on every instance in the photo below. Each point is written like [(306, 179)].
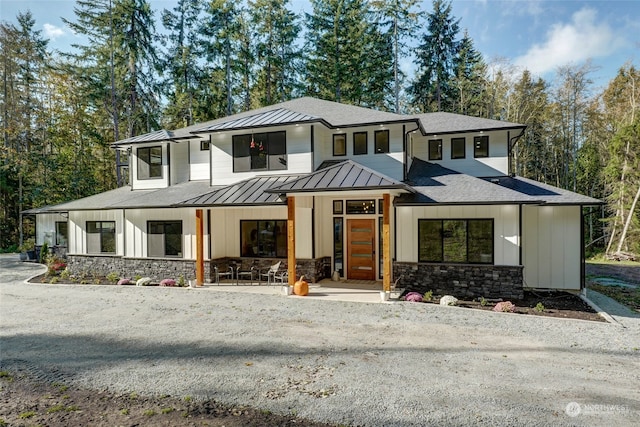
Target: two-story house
[(324, 187)]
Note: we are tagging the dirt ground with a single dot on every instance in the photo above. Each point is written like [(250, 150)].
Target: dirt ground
[(24, 402)]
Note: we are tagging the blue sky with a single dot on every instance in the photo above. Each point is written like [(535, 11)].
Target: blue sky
[(535, 34)]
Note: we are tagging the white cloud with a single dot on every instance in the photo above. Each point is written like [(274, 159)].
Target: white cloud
[(52, 32), (574, 42)]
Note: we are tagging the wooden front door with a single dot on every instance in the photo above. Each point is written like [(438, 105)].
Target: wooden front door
[(361, 249)]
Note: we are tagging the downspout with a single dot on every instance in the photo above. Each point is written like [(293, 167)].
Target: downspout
[(520, 233), (124, 233), (512, 143), (313, 165), (582, 251), (404, 150)]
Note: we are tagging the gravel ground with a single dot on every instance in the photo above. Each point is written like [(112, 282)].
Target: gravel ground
[(353, 363)]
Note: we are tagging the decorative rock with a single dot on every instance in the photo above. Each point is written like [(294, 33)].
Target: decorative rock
[(145, 281), (448, 300)]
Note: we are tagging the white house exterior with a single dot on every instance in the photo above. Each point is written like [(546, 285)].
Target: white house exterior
[(427, 199)]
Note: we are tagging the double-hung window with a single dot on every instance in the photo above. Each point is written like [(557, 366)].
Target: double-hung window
[(456, 240), (260, 151), (164, 238), (101, 237), (149, 162)]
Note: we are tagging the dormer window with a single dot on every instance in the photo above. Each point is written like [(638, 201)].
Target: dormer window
[(435, 149), (149, 162), (481, 146)]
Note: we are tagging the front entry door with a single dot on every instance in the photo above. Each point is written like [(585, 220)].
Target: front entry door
[(361, 249)]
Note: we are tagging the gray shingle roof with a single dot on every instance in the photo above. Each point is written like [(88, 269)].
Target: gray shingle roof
[(244, 193), (346, 175), (441, 123), (436, 184)]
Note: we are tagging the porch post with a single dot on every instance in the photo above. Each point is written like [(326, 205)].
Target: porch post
[(199, 248), (291, 239), (386, 243)]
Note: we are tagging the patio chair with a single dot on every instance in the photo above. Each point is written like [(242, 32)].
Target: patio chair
[(244, 274), (219, 274), (272, 273)]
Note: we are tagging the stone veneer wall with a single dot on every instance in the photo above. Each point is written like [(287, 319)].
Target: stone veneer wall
[(156, 268), (461, 280), (313, 270)]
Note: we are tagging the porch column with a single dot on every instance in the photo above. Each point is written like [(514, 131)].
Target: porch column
[(386, 243), (199, 248), (291, 239)]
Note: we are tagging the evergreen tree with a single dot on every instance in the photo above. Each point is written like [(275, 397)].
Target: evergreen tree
[(432, 89), (469, 78)]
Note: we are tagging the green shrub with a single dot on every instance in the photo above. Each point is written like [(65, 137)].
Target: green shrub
[(428, 296), (44, 253), (539, 307), (113, 277)]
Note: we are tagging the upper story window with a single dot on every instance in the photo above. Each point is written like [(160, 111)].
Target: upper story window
[(164, 238), (260, 151), (360, 143), (149, 162), (205, 145), (339, 144), (381, 141), (435, 149), (481, 146), (458, 148), (101, 237)]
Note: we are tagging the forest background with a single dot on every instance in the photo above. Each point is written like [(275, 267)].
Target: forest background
[(61, 111)]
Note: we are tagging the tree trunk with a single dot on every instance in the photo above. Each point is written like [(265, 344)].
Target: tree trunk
[(629, 217)]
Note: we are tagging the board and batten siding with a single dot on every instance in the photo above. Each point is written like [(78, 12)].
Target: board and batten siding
[(551, 247), (78, 229), (46, 227), (179, 158), (298, 155), (496, 164), (505, 228), (225, 227), (146, 184), (199, 163), (389, 164)]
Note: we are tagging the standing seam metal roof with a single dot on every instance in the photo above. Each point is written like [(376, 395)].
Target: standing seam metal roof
[(279, 116)]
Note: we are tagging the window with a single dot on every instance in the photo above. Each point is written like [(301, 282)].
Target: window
[(149, 162), (205, 145), (337, 207), (455, 241), (361, 206), (264, 238), (62, 231), (260, 151), (340, 144), (101, 237), (382, 141), (435, 149), (359, 143), (480, 146), (458, 148), (338, 245), (164, 238)]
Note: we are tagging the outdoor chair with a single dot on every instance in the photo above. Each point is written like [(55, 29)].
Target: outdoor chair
[(223, 274), (272, 273), (244, 274)]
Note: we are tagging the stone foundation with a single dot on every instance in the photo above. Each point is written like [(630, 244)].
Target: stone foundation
[(461, 280), (313, 270), (155, 268)]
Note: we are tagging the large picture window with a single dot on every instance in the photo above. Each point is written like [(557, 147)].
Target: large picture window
[(263, 238), (101, 237), (260, 151), (455, 240), (164, 238), (149, 162)]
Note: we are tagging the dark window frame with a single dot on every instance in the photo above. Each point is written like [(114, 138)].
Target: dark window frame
[(143, 155), (338, 207), (441, 221), (453, 147), (205, 145), (338, 239), (366, 143), (343, 137), (481, 146), (256, 246), (384, 149), (102, 231), (57, 233), (269, 148), (165, 224), (370, 202), (438, 152)]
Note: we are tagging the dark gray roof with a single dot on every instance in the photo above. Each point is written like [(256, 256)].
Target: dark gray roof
[(442, 123), (244, 193), (279, 116), (435, 184), (346, 175), (161, 135)]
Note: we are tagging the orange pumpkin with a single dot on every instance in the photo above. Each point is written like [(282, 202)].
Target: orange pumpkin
[(301, 287)]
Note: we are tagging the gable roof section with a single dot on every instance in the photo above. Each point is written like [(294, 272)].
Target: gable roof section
[(252, 191), (437, 185), (443, 123), (344, 176)]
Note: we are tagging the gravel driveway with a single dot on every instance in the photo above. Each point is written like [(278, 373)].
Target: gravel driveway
[(372, 364)]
